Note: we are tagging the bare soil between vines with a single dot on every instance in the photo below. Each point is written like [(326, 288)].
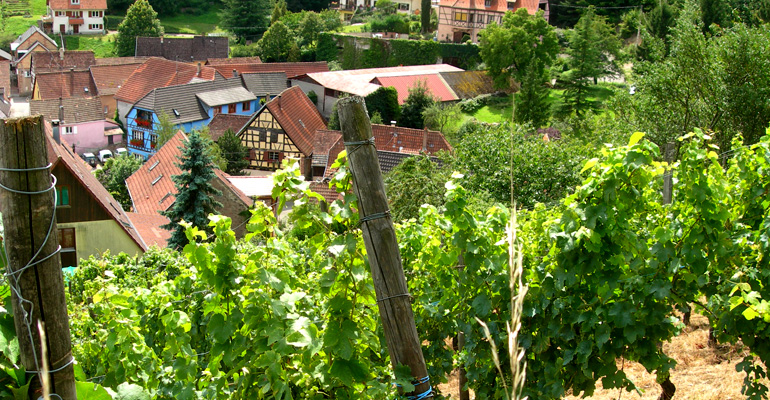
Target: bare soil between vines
[(701, 373)]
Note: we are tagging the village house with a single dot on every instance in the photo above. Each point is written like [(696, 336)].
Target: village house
[(5, 76), (284, 128), (89, 220), (75, 16), (26, 40), (461, 20), (81, 121), (291, 69), (108, 79), (63, 85), (152, 190), (193, 105), (330, 86), (197, 48), (155, 73), (61, 62)]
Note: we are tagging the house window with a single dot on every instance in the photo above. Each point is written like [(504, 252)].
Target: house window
[(63, 195), (74, 1), (217, 110), (403, 6), (511, 5), (487, 3), (94, 27), (59, 13), (470, 18), (70, 130), (263, 136), (67, 239), (246, 106), (274, 137), (273, 155), (461, 16), (75, 14), (231, 108), (95, 14), (490, 19)]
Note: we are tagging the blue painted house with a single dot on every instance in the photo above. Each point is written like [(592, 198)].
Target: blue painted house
[(193, 105)]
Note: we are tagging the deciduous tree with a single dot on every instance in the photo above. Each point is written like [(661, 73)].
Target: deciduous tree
[(194, 197), (113, 176), (418, 100), (275, 43), (141, 20), (234, 152), (384, 101)]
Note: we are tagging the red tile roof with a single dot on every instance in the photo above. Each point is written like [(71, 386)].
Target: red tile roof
[(151, 187), (234, 60), (291, 69), (149, 228), (437, 87), (158, 72), (60, 153), (152, 198), (109, 78), (83, 5), (120, 60), (298, 117), (323, 189), (222, 122), (65, 84)]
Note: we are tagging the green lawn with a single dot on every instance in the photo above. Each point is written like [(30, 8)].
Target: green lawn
[(352, 28), (102, 45), (192, 24)]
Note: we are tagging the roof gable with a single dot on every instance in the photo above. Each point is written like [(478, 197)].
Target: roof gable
[(265, 83), (436, 86), (61, 154), (221, 123), (83, 5), (56, 61), (108, 79), (292, 69), (234, 60), (17, 44), (298, 117)]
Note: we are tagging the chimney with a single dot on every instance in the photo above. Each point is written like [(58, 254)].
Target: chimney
[(55, 125), (279, 101), (425, 140), (199, 70), (72, 81), (392, 123), (61, 53), (235, 73)]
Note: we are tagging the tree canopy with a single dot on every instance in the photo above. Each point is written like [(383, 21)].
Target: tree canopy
[(245, 19), (276, 43), (113, 176), (416, 102), (141, 20), (234, 152)]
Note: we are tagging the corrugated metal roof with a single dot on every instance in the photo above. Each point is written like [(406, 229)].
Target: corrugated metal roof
[(225, 96)]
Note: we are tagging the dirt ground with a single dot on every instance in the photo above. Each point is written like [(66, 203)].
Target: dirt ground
[(701, 373)]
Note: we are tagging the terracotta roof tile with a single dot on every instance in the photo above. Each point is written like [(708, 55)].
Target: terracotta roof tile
[(60, 153), (151, 187), (298, 117), (291, 69), (65, 84), (436, 86), (76, 110), (156, 73), (323, 189), (222, 122), (234, 60), (26, 35), (44, 61), (197, 48), (84, 5), (108, 79), (149, 228)]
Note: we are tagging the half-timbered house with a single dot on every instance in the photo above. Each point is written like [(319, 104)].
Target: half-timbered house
[(460, 20), (283, 128)]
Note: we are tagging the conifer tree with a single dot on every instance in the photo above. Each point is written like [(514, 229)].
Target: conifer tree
[(194, 197)]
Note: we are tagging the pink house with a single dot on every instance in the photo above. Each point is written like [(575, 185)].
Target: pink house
[(82, 122)]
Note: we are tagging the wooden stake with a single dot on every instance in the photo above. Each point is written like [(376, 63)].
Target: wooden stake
[(27, 219), (379, 235)]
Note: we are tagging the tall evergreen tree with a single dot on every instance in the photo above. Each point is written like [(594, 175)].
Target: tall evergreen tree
[(532, 100), (246, 19), (714, 12), (425, 16), (593, 47), (194, 197), (141, 20), (279, 10)]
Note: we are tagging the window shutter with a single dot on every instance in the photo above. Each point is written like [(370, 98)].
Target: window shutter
[(252, 154), (266, 155), (280, 157)]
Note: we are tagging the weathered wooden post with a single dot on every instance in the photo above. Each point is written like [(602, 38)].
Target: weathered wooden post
[(668, 388), (34, 267), (393, 298)]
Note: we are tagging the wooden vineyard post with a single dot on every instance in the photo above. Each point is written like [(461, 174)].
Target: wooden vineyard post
[(393, 299), (34, 267), (462, 374), (668, 388)]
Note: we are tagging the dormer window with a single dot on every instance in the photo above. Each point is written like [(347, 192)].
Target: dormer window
[(74, 1), (511, 5), (487, 3)]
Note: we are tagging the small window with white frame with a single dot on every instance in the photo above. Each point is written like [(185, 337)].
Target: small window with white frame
[(74, 1), (487, 3), (403, 6), (70, 130)]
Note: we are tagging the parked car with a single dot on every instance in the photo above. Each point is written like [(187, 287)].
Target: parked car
[(104, 155), (121, 151), (90, 158)]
